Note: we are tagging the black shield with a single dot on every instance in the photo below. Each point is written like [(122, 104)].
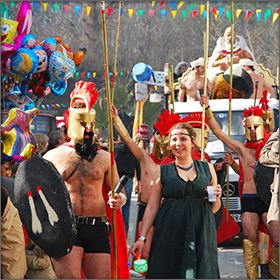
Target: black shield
[(263, 177), (44, 206)]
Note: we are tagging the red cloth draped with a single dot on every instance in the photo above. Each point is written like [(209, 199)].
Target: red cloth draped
[(196, 155)]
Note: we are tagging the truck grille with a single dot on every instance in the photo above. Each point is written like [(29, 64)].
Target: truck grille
[(233, 203)]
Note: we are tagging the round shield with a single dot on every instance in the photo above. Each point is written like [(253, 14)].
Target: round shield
[(263, 177), (44, 206)]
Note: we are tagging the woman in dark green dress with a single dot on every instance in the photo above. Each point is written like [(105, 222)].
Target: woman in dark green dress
[(184, 243)]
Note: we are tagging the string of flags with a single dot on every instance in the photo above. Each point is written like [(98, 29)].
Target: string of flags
[(187, 8), (94, 74), (48, 106)]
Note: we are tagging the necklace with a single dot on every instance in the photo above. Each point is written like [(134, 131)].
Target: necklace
[(185, 168)]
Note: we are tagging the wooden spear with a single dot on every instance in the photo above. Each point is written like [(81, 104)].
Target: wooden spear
[(229, 98), (116, 51), (206, 46), (111, 136)]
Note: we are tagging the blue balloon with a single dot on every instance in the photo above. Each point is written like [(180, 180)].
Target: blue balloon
[(26, 39), (58, 88), (24, 62)]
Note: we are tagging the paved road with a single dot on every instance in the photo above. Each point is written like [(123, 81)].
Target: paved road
[(230, 259)]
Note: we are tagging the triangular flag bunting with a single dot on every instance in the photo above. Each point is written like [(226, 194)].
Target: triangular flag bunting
[(88, 10), (45, 5), (153, 3), (77, 9), (221, 9), (109, 11), (275, 16), (161, 3), (130, 12), (194, 14), (238, 12), (259, 14), (248, 14), (55, 6), (173, 3), (191, 6), (66, 8), (34, 5), (77, 74), (121, 73), (268, 11), (94, 74), (151, 12), (174, 14), (162, 13), (217, 14), (140, 13), (229, 14), (12, 4), (83, 74), (204, 14), (265, 16), (184, 13), (180, 5), (121, 10), (88, 74), (213, 10), (202, 7), (277, 10)]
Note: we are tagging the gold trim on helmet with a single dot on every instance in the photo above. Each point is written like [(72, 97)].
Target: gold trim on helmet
[(268, 121), (252, 121), (198, 133), (161, 146), (79, 119)]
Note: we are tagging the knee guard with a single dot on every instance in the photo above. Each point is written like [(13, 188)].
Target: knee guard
[(274, 264), (250, 253)]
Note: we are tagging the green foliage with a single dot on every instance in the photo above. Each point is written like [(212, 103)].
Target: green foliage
[(151, 112), (101, 120)]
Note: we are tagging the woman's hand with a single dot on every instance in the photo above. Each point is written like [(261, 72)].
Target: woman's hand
[(218, 191), (114, 111), (137, 246)]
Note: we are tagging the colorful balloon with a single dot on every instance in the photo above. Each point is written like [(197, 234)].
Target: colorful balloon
[(58, 88), (60, 67), (8, 30), (24, 62)]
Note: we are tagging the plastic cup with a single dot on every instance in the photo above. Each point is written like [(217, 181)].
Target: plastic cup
[(211, 196), (140, 265)]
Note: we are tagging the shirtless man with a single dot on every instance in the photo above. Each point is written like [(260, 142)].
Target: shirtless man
[(248, 66), (220, 60), (192, 83), (85, 169), (148, 173), (252, 207)]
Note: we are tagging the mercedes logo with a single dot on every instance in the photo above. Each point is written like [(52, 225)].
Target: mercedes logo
[(231, 189)]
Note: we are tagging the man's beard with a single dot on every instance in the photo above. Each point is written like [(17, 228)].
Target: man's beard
[(87, 150)]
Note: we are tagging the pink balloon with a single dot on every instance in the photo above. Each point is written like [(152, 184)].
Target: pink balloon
[(24, 18)]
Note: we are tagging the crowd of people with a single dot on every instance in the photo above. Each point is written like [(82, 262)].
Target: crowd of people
[(177, 223)]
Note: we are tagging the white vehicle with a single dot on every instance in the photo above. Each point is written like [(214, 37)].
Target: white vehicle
[(215, 147)]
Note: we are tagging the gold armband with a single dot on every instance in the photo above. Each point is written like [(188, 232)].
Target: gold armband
[(208, 113), (120, 128)]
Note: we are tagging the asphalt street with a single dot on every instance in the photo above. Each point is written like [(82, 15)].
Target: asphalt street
[(230, 256)]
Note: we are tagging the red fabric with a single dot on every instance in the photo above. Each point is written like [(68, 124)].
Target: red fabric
[(159, 162), (122, 267), (227, 230), (196, 155), (25, 235)]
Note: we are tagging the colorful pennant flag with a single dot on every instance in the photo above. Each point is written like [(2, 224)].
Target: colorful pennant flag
[(180, 5), (34, 5), (221, 9), (238, 12), (88, 10), (151, 12), (161, 3), (248, 14), (55, 6), (130, 12), (229, 14), (184, 13), (216, 15), (265, 16), (213, 10), (153, 3), (66, 8), (275, 16), (268, 12), (83, 74), (77, 8), (191, 6), (162, 13), (94, 74), (45, 5), (12, 4), (109, 11), (174, 14), (194, 13), (202, 7), (88, 74), (77, 74), (173, 3), (140, 13), (259, 14), (204, 14)]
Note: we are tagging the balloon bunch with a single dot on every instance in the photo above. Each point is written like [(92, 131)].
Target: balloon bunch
[(30, 67)]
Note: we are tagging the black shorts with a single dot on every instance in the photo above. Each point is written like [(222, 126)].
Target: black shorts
[(142, 208), (93, 238), (253, 204)]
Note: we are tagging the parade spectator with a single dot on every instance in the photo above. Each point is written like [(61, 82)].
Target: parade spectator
[(185, 221), (42, 142), (86, 170), (270, 157), (56, 138), (38, 262), (253, 209), (179, 70), (13, 260), (194, 82), (127, 165), (6, 165), (248, 65)]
